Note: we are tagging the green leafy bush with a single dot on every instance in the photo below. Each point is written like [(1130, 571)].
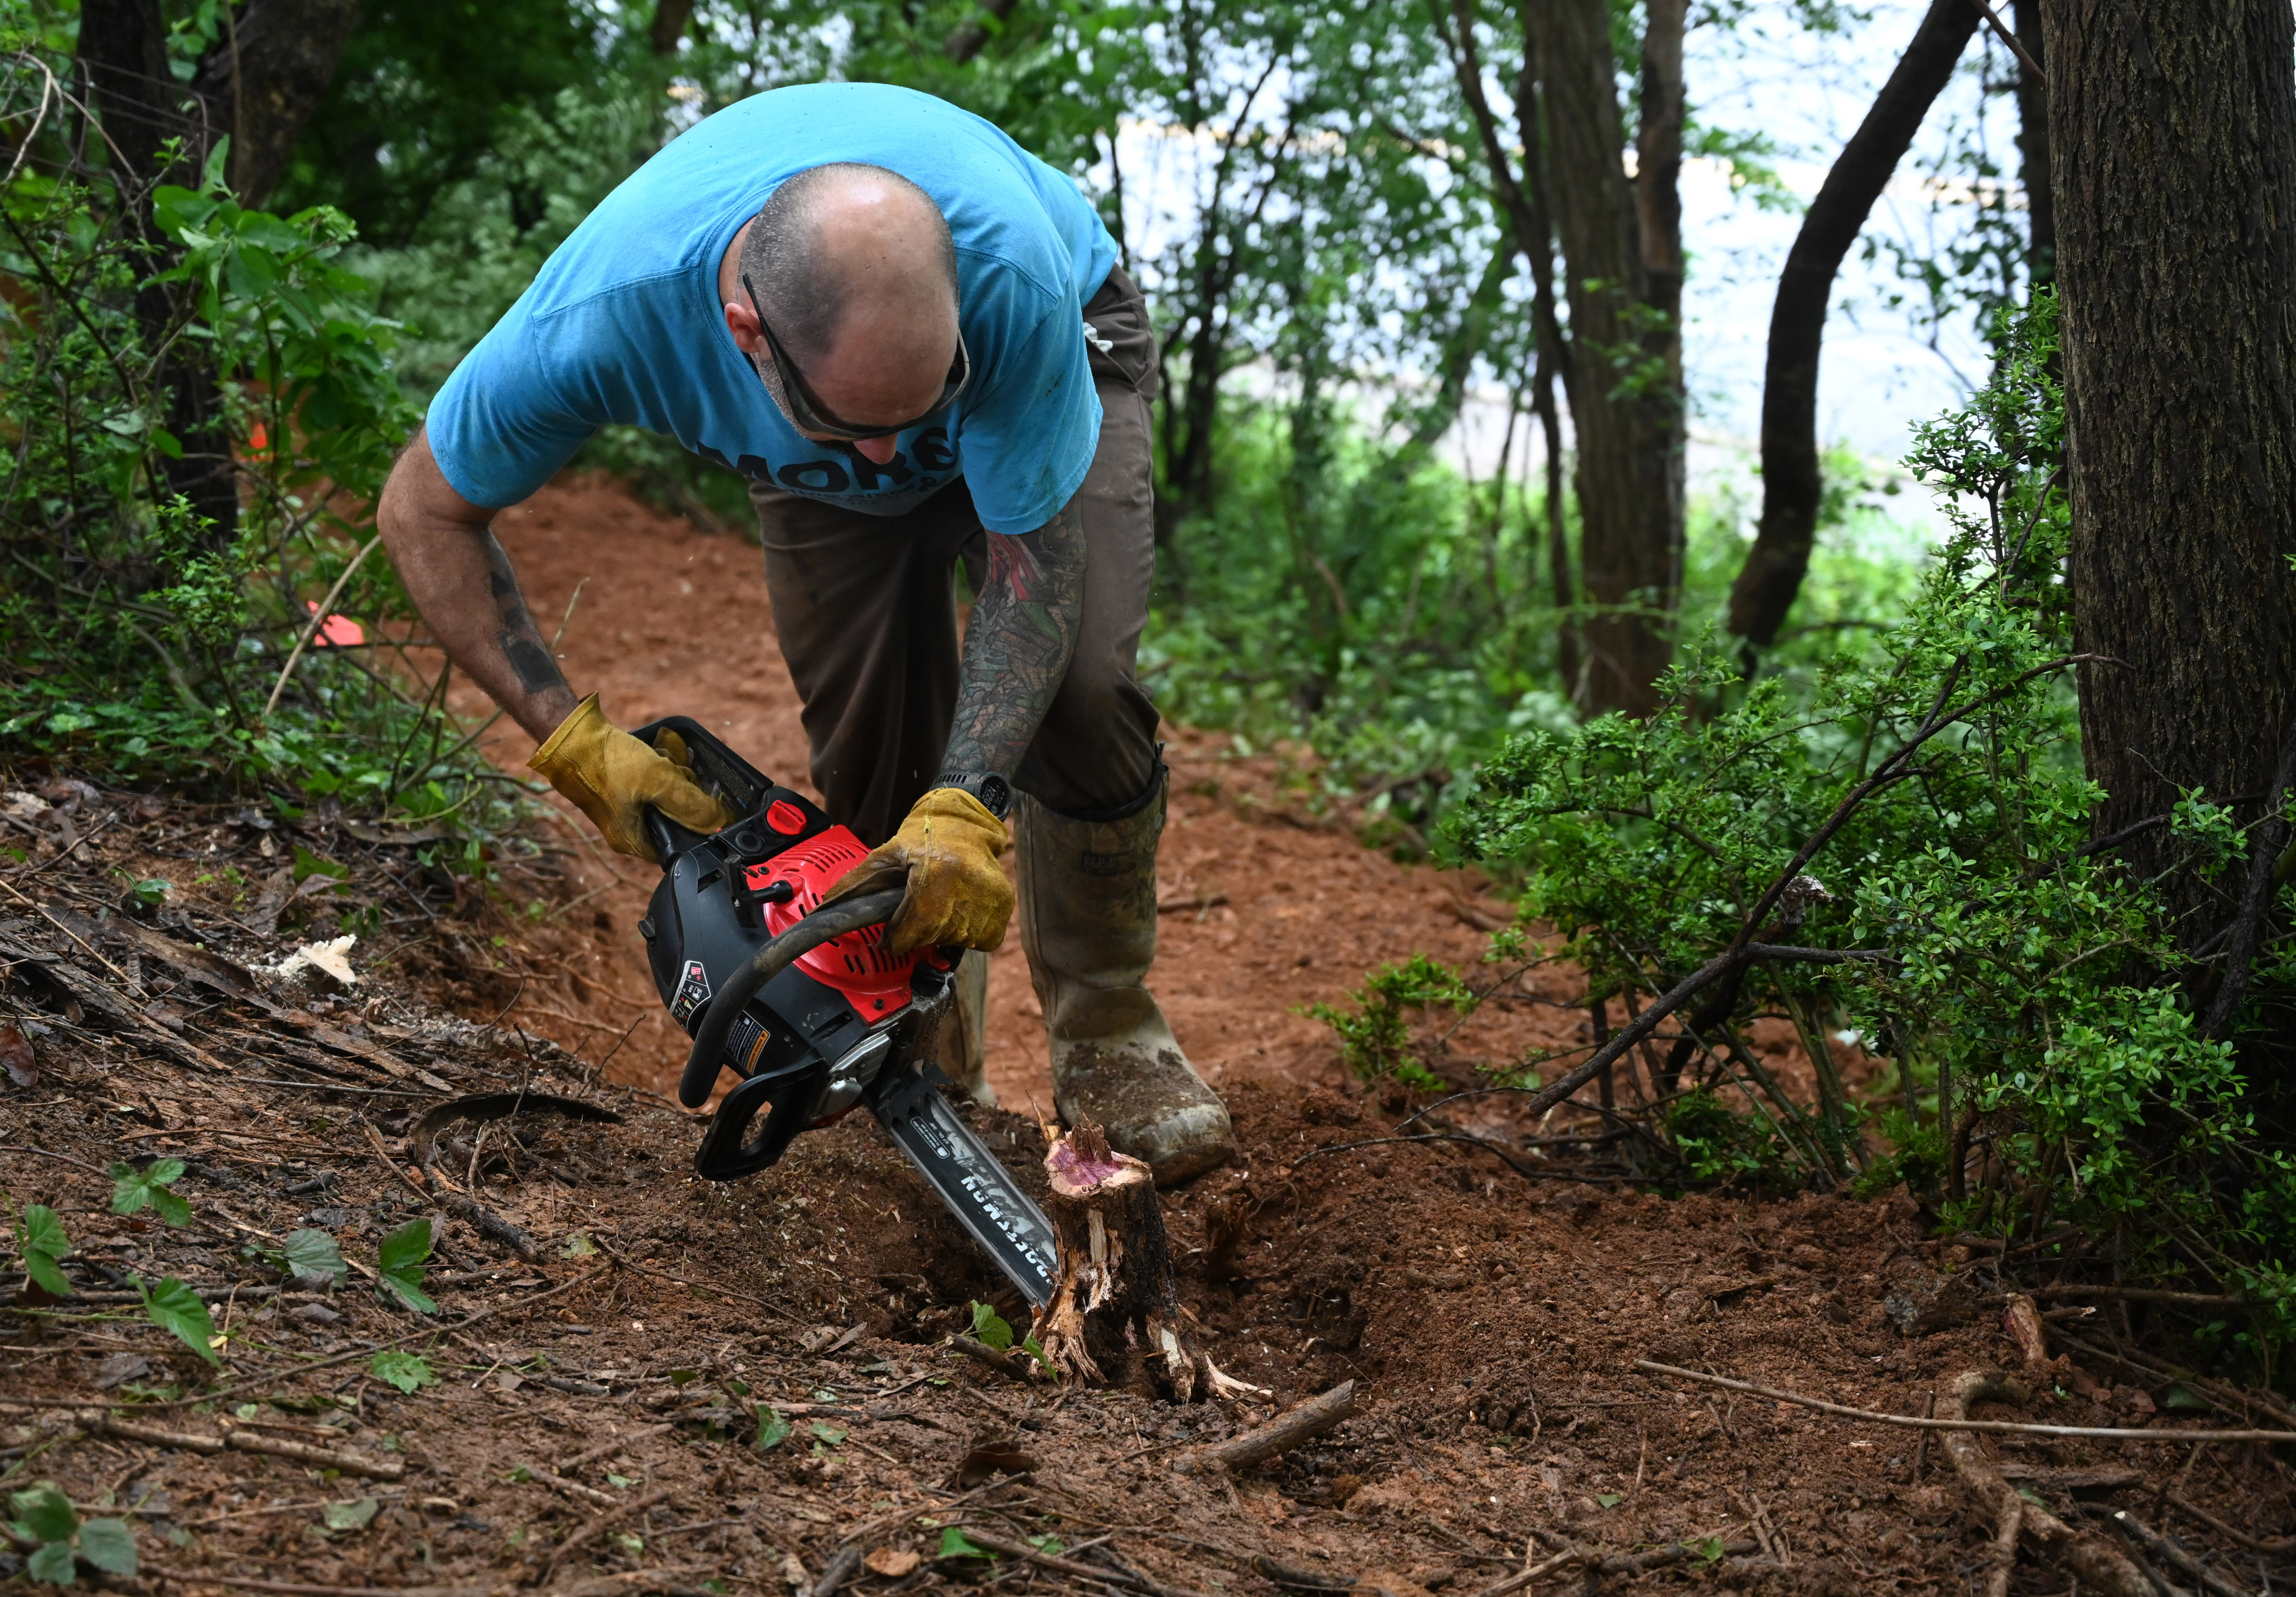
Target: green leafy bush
[(145, 640), (2020, 992)]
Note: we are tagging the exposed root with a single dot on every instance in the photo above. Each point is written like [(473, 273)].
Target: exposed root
[(2104, 1569)]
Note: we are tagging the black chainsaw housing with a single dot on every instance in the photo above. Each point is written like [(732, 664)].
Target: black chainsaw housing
[(704, 923)]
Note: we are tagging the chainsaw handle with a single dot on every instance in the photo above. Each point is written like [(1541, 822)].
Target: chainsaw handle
[(831, 921)]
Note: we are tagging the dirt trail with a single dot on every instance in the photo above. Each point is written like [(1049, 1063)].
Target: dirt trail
[(675, 621)]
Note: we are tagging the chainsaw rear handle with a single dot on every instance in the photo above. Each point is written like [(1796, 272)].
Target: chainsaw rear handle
[(831, 921)]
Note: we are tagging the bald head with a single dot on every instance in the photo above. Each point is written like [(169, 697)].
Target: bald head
[(856, 272)]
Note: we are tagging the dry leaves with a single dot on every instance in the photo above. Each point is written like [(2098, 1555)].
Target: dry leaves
[(892, 1562), (16, 1056)]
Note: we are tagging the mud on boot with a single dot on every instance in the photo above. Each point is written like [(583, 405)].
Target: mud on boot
[(1087, 893)]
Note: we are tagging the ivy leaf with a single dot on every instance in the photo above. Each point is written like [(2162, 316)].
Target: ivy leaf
[(350, 1516), (311, 1251), (400, 1264), (44, 1243), (1609, 1499), (990, 1328), (45, 1514), (408, 1372), (773, 1429), (133, 1191), (828, 1433), (954, 1544), (175, 1308), (110, 1545)]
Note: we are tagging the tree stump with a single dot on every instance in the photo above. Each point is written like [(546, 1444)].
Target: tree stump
[(1115, 1310)]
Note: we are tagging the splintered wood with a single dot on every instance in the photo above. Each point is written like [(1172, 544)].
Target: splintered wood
[(1115, 1311)]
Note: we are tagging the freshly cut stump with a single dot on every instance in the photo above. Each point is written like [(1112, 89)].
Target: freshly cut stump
[(1115, 1311)]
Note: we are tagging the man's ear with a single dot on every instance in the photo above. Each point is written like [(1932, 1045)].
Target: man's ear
[(742, 322)]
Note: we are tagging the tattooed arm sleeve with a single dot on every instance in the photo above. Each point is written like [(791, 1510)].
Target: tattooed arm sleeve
[(1017, 646), (463, 587)]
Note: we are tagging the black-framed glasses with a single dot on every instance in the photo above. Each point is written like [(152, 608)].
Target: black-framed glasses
[(806, 409)]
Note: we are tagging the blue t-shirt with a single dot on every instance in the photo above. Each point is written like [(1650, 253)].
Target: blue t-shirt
[(624, 323)]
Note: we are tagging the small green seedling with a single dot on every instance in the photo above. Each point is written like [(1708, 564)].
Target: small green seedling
[(773, 1429), (45, 1516), (174, 1308), (40, 1238), (133, 1191), (408, 1372), (828, 1433), (400, 1264), (991, 1330)]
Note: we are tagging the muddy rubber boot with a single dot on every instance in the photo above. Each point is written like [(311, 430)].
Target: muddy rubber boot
[(963, 1052), (1087, 893)]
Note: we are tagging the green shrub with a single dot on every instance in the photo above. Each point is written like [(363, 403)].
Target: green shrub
[(144, 641), (2043, 1061)]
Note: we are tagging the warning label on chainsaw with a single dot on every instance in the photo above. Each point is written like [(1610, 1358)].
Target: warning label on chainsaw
[(693, 991)]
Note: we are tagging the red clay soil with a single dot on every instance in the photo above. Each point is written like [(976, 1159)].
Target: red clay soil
[(672, 620), (599, 1432)]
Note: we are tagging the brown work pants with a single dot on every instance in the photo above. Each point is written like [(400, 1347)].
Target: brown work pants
[(866, 608)]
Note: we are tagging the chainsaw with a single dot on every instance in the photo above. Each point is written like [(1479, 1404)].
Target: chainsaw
[(806, 1005)]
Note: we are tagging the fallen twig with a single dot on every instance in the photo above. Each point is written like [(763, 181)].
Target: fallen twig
[(2168, 1551), (2008, 1426), (1287, 1430), (330, 1458), (1003, 1361), (1092, 1572), (622, 1513)]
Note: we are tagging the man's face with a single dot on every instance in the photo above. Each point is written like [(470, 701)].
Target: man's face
[(885, 370)]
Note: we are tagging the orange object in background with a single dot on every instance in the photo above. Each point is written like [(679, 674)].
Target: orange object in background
[(340, 631)]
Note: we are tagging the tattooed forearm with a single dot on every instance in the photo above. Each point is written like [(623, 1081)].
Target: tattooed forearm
[(519, 640), (1018, 644)]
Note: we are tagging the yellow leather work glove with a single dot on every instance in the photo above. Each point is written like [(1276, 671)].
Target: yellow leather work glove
[(945, 855), (611, 777)]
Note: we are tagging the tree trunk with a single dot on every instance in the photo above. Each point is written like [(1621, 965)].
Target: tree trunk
[(263, 79), (2172, 137), (668, 28), (2033, 150), (1625, 375), (123, 52), (1115, 1310), (1792, 484)]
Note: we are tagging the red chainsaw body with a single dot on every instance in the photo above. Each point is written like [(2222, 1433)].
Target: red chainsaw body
[(874, 982)]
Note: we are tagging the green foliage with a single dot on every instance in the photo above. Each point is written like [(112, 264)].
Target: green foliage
[(991, 1330), (177, 1310), (989, 1327), (355, 1515), (1376, 1040), (134, 1190), (773, 1428), (955, 1543), (40, 1238), (45, 1516), (400, 1263), (143, 640), (410, 1372), (2025, 988)]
